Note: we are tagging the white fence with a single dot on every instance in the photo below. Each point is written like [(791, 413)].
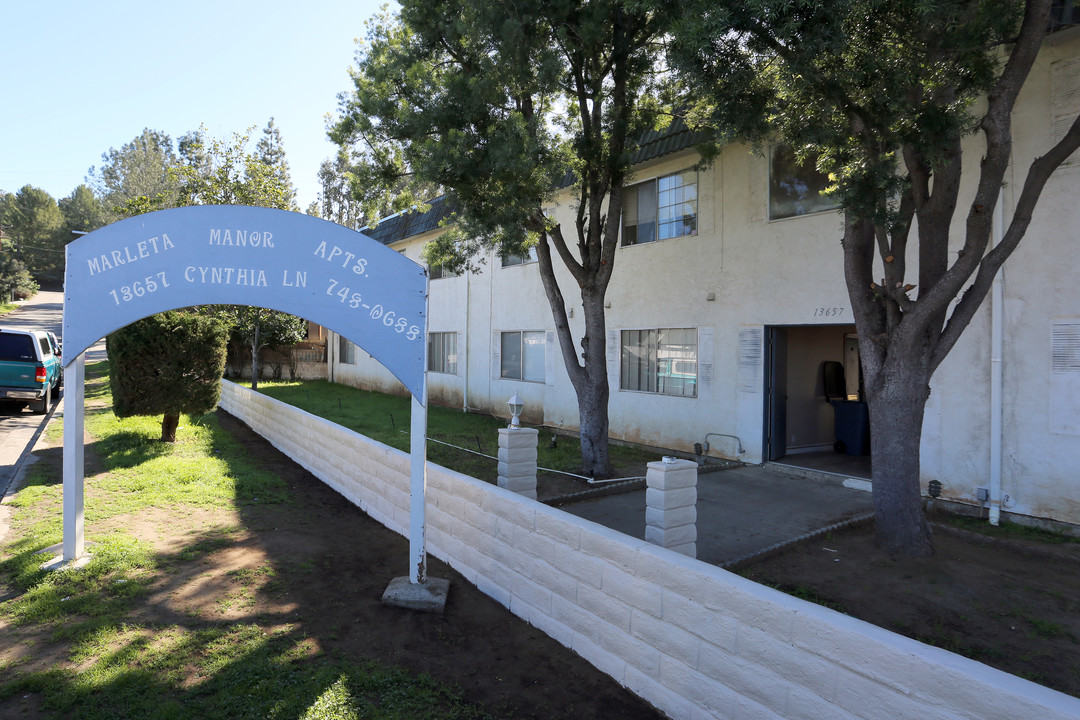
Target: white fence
[(692, 639)]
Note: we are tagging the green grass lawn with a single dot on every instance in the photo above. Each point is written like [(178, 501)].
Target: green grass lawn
[(386, 418), (111, 662)]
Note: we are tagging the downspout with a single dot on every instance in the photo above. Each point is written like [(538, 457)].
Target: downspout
[(465, 343), (331, 353), (997, 307)]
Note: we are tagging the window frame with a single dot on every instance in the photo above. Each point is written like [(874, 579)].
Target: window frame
[(821, 179), (658, 206), (346, 351), (523, 361), (653, 358), (442, 367), (519, 260)]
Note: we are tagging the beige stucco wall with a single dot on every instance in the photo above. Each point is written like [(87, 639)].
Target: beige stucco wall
[(741, 273)]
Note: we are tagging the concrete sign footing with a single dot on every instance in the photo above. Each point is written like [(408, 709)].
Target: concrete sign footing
[(58, 562), (426, 596)]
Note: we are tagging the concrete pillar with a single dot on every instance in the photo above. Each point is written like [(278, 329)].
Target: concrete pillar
[(671, 506), (517, 460)]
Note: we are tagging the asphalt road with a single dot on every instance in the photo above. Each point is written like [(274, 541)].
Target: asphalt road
[(20, 428)]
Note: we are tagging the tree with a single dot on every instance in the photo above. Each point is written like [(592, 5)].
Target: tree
[(270, 150), (83, 211), (335, 202), (495, 104), (883, 94), (167, 364), (216, 172), (255, 328), (15, 279), (33, 220), (225, 173), (142, 168)]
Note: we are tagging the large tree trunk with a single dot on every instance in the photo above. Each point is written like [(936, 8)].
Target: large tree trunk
[(169, 424), (897, 404), (593, 391), (896, 370), (589, 374)]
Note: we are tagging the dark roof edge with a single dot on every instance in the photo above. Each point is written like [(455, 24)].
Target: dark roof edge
[(653, 144)]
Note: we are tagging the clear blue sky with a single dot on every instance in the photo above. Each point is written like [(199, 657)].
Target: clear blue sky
[(79, 78)]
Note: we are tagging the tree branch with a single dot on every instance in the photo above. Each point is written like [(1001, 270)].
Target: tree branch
[(1038, 175)]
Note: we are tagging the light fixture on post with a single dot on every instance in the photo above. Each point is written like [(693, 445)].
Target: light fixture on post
[(516, 405)]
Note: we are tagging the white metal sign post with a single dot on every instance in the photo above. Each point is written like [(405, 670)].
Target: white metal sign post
[(238, 255)]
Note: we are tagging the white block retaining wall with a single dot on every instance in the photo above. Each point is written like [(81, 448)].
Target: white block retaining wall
[(694, 640)]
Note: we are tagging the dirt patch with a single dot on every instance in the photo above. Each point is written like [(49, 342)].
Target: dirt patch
[(1011, 603), (317, 566)]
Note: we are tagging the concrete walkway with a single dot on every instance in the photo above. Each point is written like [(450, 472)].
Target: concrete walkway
[(742, 511)]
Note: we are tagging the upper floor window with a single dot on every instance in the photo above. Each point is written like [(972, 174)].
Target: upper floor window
[(661, 208), (437, 272), (796, 188), (529, 257)]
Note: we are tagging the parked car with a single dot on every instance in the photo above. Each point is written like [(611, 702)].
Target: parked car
[(30, 370)]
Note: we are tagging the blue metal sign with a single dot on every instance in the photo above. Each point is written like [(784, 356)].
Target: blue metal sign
[(239, 255)]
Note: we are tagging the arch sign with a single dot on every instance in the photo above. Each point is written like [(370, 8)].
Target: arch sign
[(240, 255)]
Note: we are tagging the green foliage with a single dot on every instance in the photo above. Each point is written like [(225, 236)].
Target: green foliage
[(253, 328), (32, 219), (336, 201), (83, 211), (15, 279), (210, 171), (216, 172), (853, 83), (385, 418), (116, 663), (168, 363), (140, 173), (271, 152), (497, 106), (881, 94)]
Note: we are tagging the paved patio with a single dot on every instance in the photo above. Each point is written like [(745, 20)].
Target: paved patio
[(743, 511)]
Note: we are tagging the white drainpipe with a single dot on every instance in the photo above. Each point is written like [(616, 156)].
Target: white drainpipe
[(465, 344), (331, 354), (997, 307)]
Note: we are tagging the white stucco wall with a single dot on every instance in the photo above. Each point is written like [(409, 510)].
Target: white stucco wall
[(694, 640)]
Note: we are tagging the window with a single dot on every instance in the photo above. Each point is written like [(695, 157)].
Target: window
[(660, 361), (660, 209), (346, 351), (529, 257), (436, 272), (16, 347), (522, 356), (442, 352), (795, 188)]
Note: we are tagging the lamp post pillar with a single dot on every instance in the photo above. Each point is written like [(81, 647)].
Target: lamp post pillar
[(517, 460)]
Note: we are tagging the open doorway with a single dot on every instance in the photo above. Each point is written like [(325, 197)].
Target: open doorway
[(815, 411)]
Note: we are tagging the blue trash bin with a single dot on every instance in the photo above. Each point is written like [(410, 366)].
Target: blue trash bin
[(852, 427)]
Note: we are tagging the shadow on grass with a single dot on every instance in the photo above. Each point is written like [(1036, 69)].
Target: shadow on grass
[(123, 656), (272, 610), (127, 449)]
